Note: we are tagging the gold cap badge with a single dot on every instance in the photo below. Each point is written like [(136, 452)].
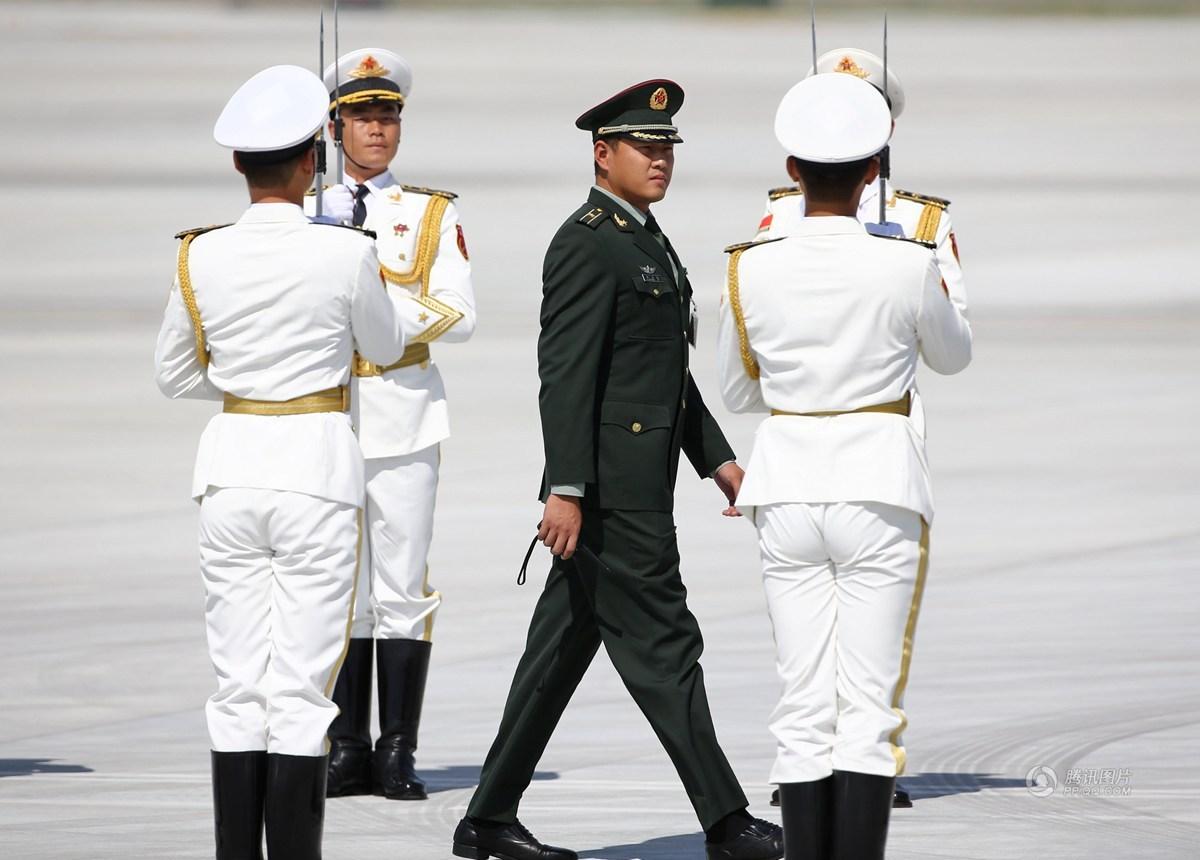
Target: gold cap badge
[(658, 99), (847, 65), (370, 68)]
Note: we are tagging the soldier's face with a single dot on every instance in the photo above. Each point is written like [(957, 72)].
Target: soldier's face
[(371, 134), (639, 172)]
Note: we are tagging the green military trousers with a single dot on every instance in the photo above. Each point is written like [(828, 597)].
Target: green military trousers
[(636, 604)]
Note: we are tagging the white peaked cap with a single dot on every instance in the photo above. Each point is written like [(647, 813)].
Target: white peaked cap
[(278, 108), (833, 119), (865, 65), (369, 75)]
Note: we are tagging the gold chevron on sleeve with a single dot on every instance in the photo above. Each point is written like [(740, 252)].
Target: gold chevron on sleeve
[(448, 316)]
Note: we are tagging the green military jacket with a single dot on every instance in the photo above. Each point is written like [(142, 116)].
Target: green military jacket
[(617, 400)]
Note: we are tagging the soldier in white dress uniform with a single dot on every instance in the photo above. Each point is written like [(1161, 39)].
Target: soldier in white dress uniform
[(266, 315), (401, 416), (822, 330), (920, 216)]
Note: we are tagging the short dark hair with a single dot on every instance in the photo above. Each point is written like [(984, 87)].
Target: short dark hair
[(832, 180), (272, 169)]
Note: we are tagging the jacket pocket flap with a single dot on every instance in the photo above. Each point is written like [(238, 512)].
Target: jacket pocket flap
[(656, 285), (635, 417)]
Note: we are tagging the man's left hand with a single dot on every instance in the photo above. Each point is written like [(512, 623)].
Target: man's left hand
[(729, 479)]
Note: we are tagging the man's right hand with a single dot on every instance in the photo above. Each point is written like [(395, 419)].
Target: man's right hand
[(561, 522), (337, 203)]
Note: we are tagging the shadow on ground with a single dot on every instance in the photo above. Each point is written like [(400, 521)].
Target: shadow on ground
[(685, 845), (463, 776), (924, 786), (31, 766)]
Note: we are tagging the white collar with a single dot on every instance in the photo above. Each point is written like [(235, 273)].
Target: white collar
[(828, 225), (260, 213), (377, 183)]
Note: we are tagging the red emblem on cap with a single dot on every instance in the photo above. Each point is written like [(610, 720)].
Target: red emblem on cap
[(462, 242), (658, 99)]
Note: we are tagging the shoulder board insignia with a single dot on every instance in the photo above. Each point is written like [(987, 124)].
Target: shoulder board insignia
[(593, 217), (742, 246), (932, 246), (371, 234), (312, 192), (197, 231), (432, 192), (784, 191), (940, 202)]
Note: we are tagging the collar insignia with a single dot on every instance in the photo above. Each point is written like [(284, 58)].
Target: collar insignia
[(370, 68), (621, 222)]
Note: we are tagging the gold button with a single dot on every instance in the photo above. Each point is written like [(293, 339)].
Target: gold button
[(636, 427), (657, 291)]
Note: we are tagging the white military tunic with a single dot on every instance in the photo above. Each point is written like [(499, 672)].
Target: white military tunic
[(284, 304), (831, 320), (401, 414), (921, 217)]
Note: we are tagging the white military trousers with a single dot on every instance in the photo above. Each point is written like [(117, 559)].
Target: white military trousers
[(843, 584), (394, 598), (279, 570)]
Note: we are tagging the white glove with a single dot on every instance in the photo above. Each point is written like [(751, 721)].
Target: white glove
[(337, 204)]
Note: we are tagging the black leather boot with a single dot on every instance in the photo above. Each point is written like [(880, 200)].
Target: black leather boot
[(350, 731), (295, 806), (807, 819), (239, 786), (862, 803), (403, 666)]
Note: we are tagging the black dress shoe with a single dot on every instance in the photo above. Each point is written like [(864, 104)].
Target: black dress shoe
[(901, 800), (760, 840), (480, 840)]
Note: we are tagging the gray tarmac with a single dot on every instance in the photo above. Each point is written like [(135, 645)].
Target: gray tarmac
[(1059, 627)]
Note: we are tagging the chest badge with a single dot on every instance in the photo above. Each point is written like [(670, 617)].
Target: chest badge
[(400, 229), (395, 196), (649, 270)]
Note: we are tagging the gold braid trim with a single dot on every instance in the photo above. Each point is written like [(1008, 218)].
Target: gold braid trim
[(430, 233), (449, 316), (189, 300), (735, 304), (927, 225)]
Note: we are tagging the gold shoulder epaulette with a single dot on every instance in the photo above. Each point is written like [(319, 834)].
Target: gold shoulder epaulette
[(197, 231), (932, 246), (432, 192), (783, 191), (939, 202), (742, 246)]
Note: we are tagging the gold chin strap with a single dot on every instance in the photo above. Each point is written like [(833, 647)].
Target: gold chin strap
[(417, 353), (329, 400), (903, 406)]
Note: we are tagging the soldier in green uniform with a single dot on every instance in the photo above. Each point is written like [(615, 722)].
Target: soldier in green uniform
[(618, 404)]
